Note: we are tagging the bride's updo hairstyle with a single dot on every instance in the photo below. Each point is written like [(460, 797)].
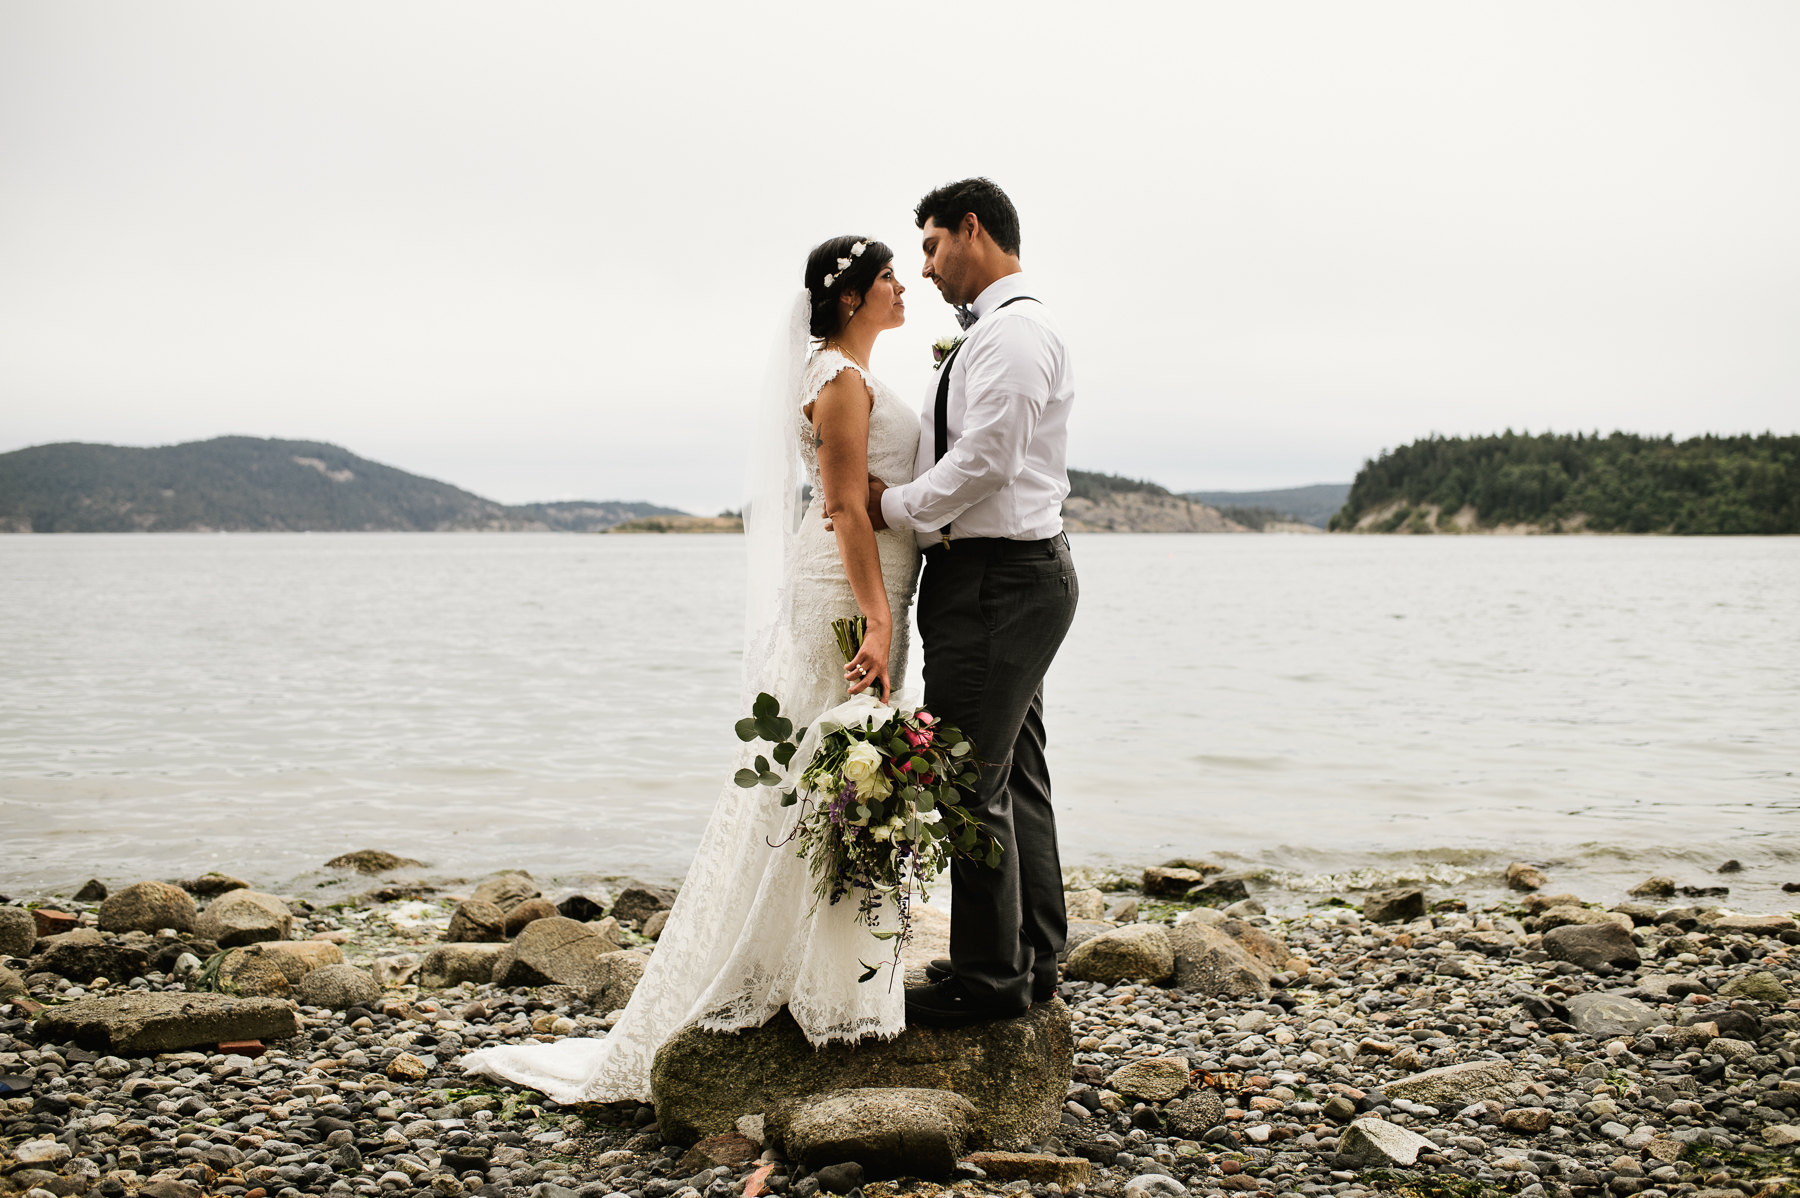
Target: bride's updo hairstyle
[(835, 267)]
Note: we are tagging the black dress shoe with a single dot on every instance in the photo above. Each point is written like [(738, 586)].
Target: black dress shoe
[(939, 969), (948, 1004)]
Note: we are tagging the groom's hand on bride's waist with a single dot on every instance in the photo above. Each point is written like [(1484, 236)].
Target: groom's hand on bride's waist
[(876, 487)]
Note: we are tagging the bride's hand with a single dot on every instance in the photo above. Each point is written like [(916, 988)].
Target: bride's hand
[(870, 665)]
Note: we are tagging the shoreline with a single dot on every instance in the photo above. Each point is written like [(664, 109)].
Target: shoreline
[(1670, 1077)]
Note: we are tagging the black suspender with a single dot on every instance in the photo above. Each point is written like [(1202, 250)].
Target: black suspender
[(942, 414)]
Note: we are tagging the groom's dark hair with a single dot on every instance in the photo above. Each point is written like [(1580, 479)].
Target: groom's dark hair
[(950, 203)]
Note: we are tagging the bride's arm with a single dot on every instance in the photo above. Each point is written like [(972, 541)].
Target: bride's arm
[(840, 420)]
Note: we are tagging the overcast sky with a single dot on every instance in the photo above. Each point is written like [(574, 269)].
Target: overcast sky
[(539, 250)]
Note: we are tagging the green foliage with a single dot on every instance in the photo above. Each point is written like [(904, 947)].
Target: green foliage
[(1704, 486), (250, 484), (1084, 484), (1256, 518)]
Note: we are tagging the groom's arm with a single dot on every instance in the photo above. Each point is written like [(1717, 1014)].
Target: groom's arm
[(1007, 384)]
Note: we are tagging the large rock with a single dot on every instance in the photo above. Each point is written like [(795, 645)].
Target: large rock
[(1263, 947), (18, 932), (212, 883), (1195, 1115), (1378, 1144), (1755, 925), (1040, 1168), (889, 1132), (1761, 986), (554, 951), (527, 912), (133, 1025), (1157, 1079), (1592, 945), (1394, 906), (245, 917), (372, 861), (1557, 917), (84, 954), (1087, 904), (1655, 886), (1210, 961), (1014, 1071), (148, 907), (476, 922), (507, 890), (1601, 1015), (1456, 1086), (1080, 932), (640, 901), (1135, 952), (338, 987), (250, 969), (11, 984), (1170, 882), (614, 979), (450, 965), (1520, 876)]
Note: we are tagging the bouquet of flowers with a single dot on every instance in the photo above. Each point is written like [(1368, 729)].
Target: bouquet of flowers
[(883, 798)]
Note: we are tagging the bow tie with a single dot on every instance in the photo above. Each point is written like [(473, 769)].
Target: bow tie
[(965, 316)]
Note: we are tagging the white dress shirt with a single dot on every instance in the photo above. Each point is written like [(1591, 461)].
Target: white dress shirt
[(1006, 471)]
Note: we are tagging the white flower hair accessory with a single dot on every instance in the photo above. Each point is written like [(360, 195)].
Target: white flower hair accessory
[(843, 264)]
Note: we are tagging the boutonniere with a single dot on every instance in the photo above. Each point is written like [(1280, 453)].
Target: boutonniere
[(942, 348)]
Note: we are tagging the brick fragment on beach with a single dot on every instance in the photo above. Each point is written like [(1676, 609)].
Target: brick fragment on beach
[(54, 923), (242, 1048)]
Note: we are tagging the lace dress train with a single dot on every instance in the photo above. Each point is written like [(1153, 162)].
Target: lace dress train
[(745, 937)]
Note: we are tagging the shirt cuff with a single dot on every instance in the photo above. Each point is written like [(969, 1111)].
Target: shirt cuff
[(893, 510)]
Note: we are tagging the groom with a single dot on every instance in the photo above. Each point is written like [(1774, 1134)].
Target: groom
[(997, 596)]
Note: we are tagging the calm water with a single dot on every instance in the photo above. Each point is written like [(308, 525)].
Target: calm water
[(1333, 711)]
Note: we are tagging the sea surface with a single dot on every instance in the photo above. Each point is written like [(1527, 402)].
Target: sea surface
[(1325, 713)]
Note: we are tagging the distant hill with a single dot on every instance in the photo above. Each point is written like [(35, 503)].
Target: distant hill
[(1313, 505), (1109, 503), (249, 484), (1622, 482)]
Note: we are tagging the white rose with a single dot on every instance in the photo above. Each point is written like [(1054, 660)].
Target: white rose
[(881, 833), (862, 762), (876, 786)]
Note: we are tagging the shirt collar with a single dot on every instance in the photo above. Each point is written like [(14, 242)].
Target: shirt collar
[(998, 292)]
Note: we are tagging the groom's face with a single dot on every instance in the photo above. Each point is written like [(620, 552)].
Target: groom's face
[(947, 261)]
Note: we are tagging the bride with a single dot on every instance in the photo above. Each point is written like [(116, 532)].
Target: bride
[(745, 937)]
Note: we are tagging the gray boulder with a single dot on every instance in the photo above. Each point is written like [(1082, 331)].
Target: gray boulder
[(147, 907), (1014, 1071), (1135, 952), (338, 987), (1378, 1144), (245, 917), (614, 978), (372, 861), (140, 1024), (1170, 882), (84, 954), (889, 1132), (507, 890), (1156, 1079), (1602, 1015), (1195, 1115), (640, 901), (554, 951), (1394, 906), (18, 932), (527, 912), (11, 984), (450, 965), (1759, 986), (1208, 960), (1592, 945), (212, 883), (476, 922), (1456, 1086), (1080, 932)]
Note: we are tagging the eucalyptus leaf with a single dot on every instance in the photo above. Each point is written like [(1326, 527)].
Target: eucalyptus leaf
[(919, 765), (766, 707), (784, 752), (862, 812), (746, 778), (769, 729), (960, 749), (762, 764), (788, 798), (872, 970), (785, 728), (746, 729), (924, 801), (769, 779)]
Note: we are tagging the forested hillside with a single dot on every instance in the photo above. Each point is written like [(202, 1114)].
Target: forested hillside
[(1560, 482), (249, 484)]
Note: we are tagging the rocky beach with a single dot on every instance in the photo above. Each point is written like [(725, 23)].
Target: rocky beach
[(203, 1037)]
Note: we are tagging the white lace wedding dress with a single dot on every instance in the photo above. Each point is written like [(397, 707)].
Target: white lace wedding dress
[(745, 938)]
